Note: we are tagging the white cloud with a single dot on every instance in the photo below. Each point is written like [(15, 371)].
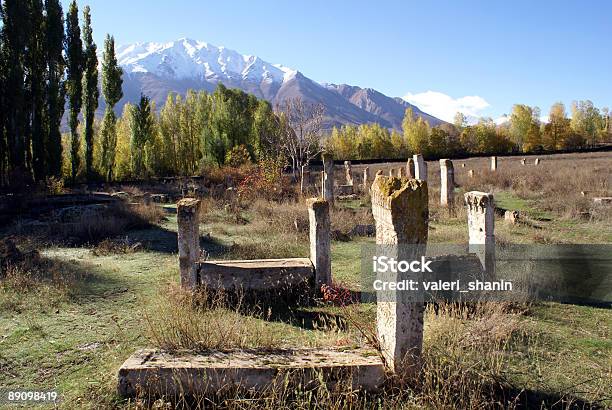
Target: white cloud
[(445, 107)]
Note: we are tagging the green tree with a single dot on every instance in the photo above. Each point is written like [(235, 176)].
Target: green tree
[(416, 132), (15, 33), (111, 89), (586, 120), (74, 87), (55, 91), (524, 121), (35, 69), (141, 127), (90, 89)]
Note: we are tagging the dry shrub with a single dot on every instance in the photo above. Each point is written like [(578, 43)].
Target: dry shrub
[(204, 320), (284, 217), (116, 246)]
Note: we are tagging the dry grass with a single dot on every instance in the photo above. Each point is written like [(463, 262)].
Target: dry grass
[(203, 321)]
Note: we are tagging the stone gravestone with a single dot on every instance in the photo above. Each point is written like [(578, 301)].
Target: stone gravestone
[(348, 172), (537, 161), (447, 183), (320, 241), (305, 179), (471, 173), (188, 217), (523, 161), (328, 179), (400, 209), (410, 168), (366, 179), (481, 227), (493, 163), (420, 167)]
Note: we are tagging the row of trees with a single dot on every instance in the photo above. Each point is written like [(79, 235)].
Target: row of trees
[(44, 61), (522, 132), (203, 129)]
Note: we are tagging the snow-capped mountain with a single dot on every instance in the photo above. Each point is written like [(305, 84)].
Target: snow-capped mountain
[(156, 69)]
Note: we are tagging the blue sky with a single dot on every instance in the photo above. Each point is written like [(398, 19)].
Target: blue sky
[(479, 57)]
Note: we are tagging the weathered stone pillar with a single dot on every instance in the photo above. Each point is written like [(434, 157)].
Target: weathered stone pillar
[(348, 172), (391, 172), (188, 218), (447, 182), (320, 240), (328, 178), (305, 178), (481, 227), (400, 209), (493, 163), (471, 173), (400, 172), (537, 161), (420, 167), (523, 161), (366, 179), (410, 168)]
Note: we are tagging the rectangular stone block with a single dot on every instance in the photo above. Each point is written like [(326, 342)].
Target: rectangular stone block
[(154, 374)]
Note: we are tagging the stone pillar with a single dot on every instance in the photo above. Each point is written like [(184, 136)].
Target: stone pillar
[(320, 241), (463, 165), (348, 171), (420, 167), (523, 161), (481, 227), (379, 172), (391, 172), (537, 161), (410, 168), (328, 179), (305, 178), (366, 179), (400, 209), (400, 172), (447, 182), (188, 218), (471, 173), (493, 163)]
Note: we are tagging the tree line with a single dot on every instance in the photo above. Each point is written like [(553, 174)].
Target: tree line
[(523, 131), (46, 60)]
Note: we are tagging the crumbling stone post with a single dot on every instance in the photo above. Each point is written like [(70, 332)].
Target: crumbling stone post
[(420, 167), (320, 240), (188, 217), (447, 182), (328, 179), (493, 163), (391, 172), (400, 209), (471, 173), (523, 161), (305, 178), (366, 179), (348, 172), (410, 168), (537, 161), (400, 172), (481, 227)]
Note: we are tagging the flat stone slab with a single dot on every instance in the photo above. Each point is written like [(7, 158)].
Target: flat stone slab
[(154, 373), (257, 274), (603, 200)]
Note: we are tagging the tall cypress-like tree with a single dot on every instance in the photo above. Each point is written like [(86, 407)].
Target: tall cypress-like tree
[(111, 89), (90, 89), (15, 38), (141, 125), (55, 92), (74, 87), (35, 69), (3, 107)]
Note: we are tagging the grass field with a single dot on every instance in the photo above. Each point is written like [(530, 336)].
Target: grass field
[(69, 323)]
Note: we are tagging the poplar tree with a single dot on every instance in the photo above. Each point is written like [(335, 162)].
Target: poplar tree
[(15, 37), (35, 70), (141, 126), (55, 92), (90, 89), (74, 54), (111, 89)]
